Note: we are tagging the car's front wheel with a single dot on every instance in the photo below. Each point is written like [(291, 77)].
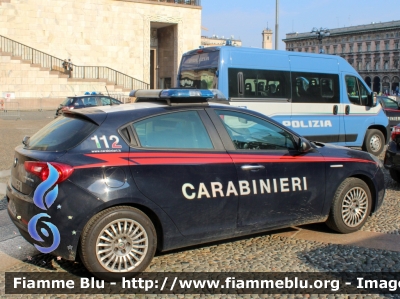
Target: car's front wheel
[(118, 242), (350, 207), (374, 142)]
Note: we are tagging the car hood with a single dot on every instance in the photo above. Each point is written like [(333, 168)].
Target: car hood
[(340, 152)]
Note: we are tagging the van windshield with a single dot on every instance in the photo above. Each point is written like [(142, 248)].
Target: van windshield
[(199, 71)]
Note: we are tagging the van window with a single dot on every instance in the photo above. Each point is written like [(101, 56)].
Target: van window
[(259, 83), (356, 91), (315, 88)]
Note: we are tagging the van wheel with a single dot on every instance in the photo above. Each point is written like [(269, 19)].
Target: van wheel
[(118, 242), (351, 206), (395, 174), (374, 142)]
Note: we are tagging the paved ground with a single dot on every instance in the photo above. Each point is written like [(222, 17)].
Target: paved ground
[(311, 248)]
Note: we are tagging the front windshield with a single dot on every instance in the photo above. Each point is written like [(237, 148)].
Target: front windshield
[(203, 79), (199, 70)]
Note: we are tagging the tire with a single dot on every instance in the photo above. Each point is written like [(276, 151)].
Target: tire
[(374, 142), (347, 219), (395, 174), (129, 247)]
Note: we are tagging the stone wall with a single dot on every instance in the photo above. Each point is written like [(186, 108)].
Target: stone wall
[(100, 32)]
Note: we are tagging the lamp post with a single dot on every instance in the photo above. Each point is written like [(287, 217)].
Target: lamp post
[(320, 33)]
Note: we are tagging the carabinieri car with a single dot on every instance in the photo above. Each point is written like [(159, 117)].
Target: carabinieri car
[(177, 168)]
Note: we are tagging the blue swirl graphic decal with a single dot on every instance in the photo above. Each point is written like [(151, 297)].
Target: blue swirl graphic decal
[(44, 201), (32, 225), (45, 186)]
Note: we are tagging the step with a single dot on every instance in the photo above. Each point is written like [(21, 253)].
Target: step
[(16, 57), (85, 80), (25, 61)]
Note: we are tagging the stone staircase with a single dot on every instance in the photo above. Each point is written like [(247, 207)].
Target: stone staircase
[(36, 87)]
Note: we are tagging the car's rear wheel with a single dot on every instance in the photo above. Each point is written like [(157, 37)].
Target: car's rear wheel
[(350, 207), (119, 241), (374, 142), (395, 175)]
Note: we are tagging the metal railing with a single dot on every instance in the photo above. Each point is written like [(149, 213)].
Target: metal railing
[(34, 56), (10, 110), (185, 2)]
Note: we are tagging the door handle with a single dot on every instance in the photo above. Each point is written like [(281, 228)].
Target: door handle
[(347, 110), (335, 109), (252, 167)]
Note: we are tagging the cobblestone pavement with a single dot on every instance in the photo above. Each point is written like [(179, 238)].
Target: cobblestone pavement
[(267, 252)]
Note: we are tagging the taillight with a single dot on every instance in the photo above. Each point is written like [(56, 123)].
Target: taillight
[(67, 108), (395, 132), (41, 170)]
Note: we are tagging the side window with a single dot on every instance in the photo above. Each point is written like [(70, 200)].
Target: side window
[(105, 101), (179, 130), (251, 133), (356, 91), (115, 102), (259, 83), (315, 88), (363, 93), (389, 103), (352, 90)]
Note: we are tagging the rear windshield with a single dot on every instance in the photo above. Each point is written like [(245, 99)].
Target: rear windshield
[(61, 134)]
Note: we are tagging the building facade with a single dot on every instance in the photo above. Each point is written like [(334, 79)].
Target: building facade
[(267, 38), (214, 41), (373, 50), (144, 39)]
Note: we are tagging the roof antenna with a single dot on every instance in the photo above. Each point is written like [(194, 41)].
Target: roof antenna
[(108, 94)]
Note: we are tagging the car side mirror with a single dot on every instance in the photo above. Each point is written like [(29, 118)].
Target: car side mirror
[(304, 145), (372, 99)]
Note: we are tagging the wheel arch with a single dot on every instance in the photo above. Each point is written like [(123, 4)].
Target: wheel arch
[(149, 213), (380, 128), (146, 210), (371, 187)]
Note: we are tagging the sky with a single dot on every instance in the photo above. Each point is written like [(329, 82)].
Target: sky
[(246, 19)]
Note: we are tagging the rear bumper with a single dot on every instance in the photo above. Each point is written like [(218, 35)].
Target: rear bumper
[(392, 156), (21, 210)]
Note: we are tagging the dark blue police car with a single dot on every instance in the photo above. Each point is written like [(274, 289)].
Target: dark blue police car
[(177, 168)]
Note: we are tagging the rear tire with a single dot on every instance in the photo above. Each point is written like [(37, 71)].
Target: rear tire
[(118, 242), (395, 174), (374, 142), (350, 207)]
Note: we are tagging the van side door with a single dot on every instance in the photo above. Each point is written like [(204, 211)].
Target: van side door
[(357, 115), (316, 110)]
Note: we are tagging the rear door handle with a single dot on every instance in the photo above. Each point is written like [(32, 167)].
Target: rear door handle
[(252, 167)]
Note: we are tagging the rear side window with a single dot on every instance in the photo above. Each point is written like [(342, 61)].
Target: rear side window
[(259, 83), (315, 88), (179, 130), (61, 134)]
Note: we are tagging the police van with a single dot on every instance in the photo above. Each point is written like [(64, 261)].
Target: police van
[(321, 97)]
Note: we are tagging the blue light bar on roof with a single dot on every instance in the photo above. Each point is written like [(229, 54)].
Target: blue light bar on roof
[(186, 93)]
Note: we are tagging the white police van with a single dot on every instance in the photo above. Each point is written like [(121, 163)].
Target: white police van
[(321, 97)]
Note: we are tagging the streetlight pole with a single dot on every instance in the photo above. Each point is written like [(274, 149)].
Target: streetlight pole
[(320, 33), (276, 24)]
